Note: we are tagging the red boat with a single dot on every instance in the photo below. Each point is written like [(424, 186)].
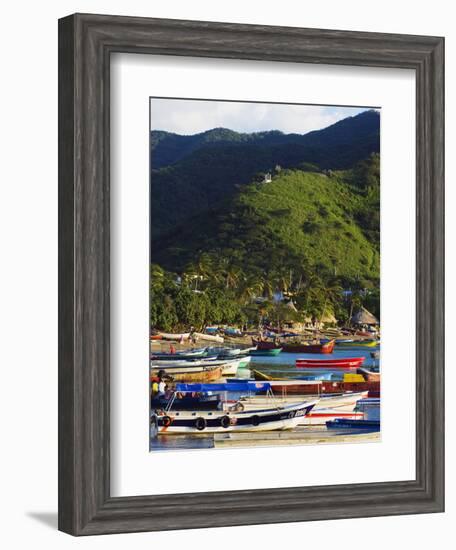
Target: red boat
[(264, 344), (328, 347), (341, 363), (314, 388)]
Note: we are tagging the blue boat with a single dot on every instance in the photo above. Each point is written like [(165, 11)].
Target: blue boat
[(187, 402), (344, 424), (249, 386)]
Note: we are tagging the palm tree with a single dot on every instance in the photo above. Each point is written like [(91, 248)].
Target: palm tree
[(332, 293), (268, 287), (156, 277), (250, 288)]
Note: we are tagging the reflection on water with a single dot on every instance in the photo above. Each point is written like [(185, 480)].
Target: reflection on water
[(180, 442)]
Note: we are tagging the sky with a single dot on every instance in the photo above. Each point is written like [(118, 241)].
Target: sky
[(186, 117)]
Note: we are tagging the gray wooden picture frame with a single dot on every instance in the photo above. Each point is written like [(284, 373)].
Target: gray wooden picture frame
[(85, 45)]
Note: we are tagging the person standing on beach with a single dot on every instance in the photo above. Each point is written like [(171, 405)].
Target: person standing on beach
[(155, 386), (161, 388)]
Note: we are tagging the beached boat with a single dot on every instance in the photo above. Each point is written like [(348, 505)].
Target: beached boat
[(266, 352), (184, 336), (340, 363), (174, 337), (200, 374), (302, 347), (271, 418), (209, 337)]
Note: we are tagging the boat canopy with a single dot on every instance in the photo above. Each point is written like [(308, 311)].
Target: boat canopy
[(232, 386)]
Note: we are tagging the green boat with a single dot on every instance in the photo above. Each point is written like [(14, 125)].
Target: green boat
[(244, 361), (268, 352)]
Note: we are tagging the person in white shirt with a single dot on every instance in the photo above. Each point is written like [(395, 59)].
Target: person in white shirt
[(161, 387)]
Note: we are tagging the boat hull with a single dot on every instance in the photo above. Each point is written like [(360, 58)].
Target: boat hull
[(310, 348), (294, 387), (264, 345), (188, 402), (342, 363), (343, 423), (343, 403), (358, 344), (201, 422), (266, 352), (202, 374), (320, 417)]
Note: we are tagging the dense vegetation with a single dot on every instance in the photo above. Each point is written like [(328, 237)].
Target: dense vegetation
[(310, 234), (192, 174)]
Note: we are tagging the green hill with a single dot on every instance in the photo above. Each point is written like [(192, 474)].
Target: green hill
[(299, 221), (193, 175), (222, 236)]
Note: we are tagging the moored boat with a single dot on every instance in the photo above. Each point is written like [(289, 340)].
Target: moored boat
[(178, 362), (223, 351), (264, 344), (272, 352), (197, 374), (344, 423), (183, 355), (229, 366), (315, 387), (340, 363), (244, 361), (187, 402), (271, 418), (344, 402), (259, 375), (369, 374), (302, 347), (321, 416), (359, 344)]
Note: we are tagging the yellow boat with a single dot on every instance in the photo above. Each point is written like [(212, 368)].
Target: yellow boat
[(359, 344)]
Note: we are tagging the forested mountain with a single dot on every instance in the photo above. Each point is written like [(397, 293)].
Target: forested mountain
[(228, 234), (328, 223), (192, 174)]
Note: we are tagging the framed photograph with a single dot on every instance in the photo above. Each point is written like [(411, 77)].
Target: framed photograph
[(251, 274)]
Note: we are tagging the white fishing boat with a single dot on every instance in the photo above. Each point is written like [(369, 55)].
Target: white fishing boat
[(225, 352), (174, 337), (184, 336), (272, 418), (339, 402), (157, 363), (209, 337), (229, 366)]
